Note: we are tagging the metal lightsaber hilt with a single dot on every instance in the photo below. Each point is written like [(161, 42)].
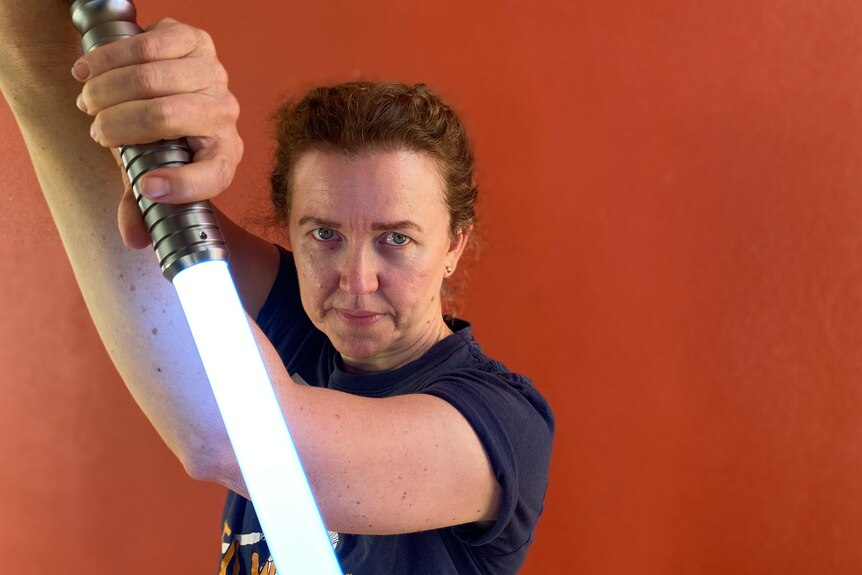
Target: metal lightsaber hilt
[(182, 234)]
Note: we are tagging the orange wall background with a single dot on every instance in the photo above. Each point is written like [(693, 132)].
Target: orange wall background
[(670, 217)]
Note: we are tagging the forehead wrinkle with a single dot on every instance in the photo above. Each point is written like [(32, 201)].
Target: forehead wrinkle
[(336, 208), (364, 196)]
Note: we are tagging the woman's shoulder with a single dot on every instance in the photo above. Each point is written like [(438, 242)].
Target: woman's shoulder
[(470, 355), (466, 373)]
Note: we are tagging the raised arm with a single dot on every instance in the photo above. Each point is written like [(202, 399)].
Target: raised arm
[(134, 309), (367, 475)]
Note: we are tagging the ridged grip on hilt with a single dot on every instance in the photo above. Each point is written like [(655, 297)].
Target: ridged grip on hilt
[(183, 235)]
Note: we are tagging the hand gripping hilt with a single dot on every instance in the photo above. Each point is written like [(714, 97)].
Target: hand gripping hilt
[(182, 234)]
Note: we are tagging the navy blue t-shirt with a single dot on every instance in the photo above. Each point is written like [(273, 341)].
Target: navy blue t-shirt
[(510, 417)]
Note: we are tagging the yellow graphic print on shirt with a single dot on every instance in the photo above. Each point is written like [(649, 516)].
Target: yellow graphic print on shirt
[(268, 567), (231, 561)]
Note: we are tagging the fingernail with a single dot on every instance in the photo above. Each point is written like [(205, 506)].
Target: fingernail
[(155, 187), (80, 103), (93, 131), (81, 71)]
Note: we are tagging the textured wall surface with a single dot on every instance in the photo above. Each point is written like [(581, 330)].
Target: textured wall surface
[(671, 200)]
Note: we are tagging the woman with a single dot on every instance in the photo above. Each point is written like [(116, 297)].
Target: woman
[(374, 184), (425, 455)]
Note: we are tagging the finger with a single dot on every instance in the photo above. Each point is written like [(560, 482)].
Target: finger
[(133, 230), (152, 80), (203, 179), (145, 121), (167, 40), (127, 187)]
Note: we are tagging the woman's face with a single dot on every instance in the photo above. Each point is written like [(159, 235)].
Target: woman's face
[(370, 236)]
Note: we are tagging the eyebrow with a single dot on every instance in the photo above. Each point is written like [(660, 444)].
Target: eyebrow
[(376, 226), (318, 222)]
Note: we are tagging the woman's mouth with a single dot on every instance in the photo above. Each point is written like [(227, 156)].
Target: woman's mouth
[(358, 318)]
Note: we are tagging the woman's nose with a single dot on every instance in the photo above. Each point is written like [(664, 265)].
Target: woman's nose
[(359, 273)]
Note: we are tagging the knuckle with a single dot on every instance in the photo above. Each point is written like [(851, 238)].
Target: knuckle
[(102, 130), (87, 97), (224, 172), (239, 146), (97, 94), (160, 115), (147, 79), (96, 129), (219, 76), (165, 22), (231, 107), (146, 48), (203, 39)]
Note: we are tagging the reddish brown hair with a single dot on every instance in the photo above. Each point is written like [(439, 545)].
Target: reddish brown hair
[(363, 117)]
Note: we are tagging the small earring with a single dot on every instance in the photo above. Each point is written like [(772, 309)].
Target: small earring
[(449, 270)]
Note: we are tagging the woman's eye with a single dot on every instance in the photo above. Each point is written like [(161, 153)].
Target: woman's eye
[(323, 234), (396, 239)]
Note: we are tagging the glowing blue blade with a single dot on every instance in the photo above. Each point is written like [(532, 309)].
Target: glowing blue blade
[(267, 457)]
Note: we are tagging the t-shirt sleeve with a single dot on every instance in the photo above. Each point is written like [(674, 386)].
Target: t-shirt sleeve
[(516, 427)]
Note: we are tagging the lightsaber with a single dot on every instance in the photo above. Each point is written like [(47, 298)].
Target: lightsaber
[(193, 256)]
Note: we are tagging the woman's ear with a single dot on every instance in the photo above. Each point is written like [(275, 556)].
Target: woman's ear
[(457, 243)]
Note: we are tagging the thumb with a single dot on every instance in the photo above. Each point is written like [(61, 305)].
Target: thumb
[(163, 23)]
